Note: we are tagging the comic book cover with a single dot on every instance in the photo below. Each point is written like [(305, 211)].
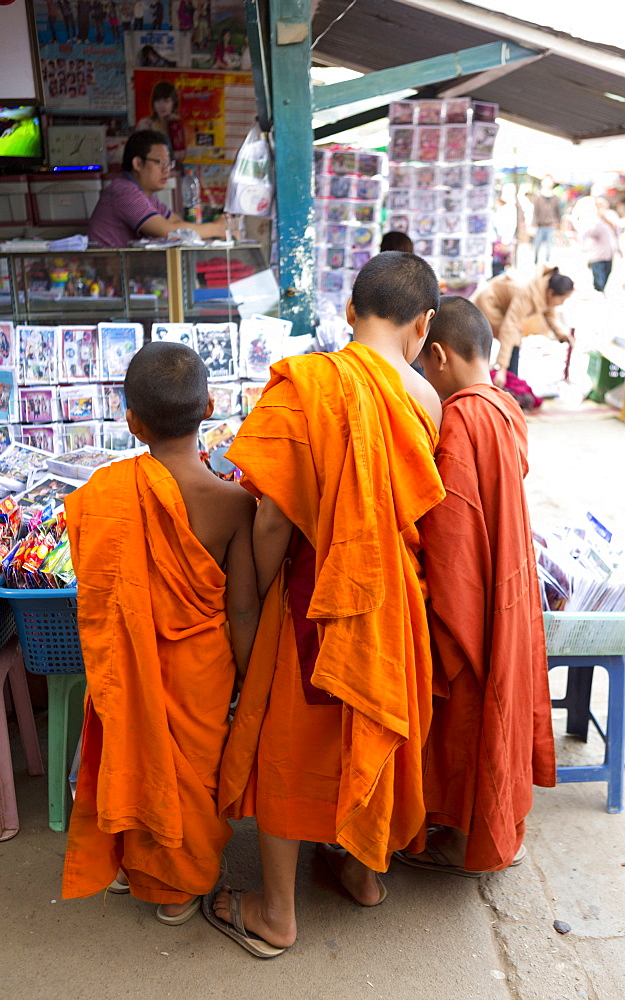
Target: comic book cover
[(78, 353), (119, 342), (37, 355), (217, 347)]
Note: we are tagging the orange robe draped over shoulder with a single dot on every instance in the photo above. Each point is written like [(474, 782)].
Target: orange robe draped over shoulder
[(347, 455), (491, 735), (160, 671)]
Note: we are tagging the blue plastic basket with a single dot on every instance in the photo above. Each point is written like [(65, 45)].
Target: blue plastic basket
[(7, 623), (47, 629)]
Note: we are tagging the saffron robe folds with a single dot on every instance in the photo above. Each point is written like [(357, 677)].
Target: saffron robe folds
[(160, 673), (491, 736), (347, 455)]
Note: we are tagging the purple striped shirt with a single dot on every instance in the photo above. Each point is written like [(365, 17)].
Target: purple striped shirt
[(121, 211)]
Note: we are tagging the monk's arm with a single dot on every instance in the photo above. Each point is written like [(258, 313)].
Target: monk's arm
[(272, 533), (242, 604)]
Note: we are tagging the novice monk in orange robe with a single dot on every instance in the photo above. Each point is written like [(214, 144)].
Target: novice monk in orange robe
[(491, 735), (327, 739), (162, 551)]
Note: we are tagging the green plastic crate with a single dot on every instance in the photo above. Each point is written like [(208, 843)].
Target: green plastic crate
[(605, 375)]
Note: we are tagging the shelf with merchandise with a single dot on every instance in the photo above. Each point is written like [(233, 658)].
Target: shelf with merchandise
[(209, 273), (130, 283)]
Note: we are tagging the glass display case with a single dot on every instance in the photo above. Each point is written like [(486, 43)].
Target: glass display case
[(174, 284)]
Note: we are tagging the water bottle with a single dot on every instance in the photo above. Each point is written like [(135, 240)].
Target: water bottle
[(191, 196)]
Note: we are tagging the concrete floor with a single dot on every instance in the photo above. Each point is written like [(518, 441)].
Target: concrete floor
[(437, 937)]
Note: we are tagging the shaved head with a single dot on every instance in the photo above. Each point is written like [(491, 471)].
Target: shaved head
[(166, 387), (462, 327)]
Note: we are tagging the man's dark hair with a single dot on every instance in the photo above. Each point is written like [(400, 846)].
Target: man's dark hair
[(462, 327), (395, 286), (395, 240), (140, 144), (166, 386)]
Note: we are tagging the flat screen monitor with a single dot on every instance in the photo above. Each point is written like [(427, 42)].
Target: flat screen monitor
[(21, 139)]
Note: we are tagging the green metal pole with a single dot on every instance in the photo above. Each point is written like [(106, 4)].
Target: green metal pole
[(293, 138)]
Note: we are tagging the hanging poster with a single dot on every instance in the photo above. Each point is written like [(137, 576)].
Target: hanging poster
[(153, 50), (203, 100), (82, 53)]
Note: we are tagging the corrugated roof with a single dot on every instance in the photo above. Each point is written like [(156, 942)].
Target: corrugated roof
[(556, 94)]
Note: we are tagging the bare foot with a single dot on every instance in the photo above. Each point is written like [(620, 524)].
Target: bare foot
[(121, 878), (175, 909), (361, 882), (274, 928)]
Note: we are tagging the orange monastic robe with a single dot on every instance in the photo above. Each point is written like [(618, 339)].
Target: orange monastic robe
[(160, 671), (347, 455), (491, 735)]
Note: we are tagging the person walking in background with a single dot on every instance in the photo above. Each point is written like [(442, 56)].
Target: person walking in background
[(600, 240), (545, 218)]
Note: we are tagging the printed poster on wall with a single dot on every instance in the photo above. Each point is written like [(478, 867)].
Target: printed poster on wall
[(153, 50), (82, 53)]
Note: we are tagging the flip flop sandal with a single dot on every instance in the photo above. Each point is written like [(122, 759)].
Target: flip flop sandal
[(119, 887), (236, 930), (182, 918), (330, 860), (440, 863)]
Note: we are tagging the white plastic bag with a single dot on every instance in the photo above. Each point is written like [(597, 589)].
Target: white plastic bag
[(251, 184)]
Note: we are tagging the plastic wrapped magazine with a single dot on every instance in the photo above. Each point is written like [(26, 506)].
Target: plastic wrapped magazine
[(113, 402), (175, 333), (80, 464), (225, 396), (7, 393), (217, 347), (483, 141), (46, 437), (38, 406), (261, 340), (80, 402), (37, 354), (118, 344), (78, 353), (7, 344), (19, 463), (50, 490), (215, 439)]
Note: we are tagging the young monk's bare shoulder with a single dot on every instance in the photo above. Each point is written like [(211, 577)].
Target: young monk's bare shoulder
[(421, 390), (216, 510)]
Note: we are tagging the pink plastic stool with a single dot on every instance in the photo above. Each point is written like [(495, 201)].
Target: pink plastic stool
[(12, 666)]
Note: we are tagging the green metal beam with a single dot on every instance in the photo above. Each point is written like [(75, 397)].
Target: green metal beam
[(256, 43), (293, 141), (420, 74), (352, 121)]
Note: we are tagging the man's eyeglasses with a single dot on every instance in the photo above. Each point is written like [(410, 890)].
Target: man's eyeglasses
[(169, 165)]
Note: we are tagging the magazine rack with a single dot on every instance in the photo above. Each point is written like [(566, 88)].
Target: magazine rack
[(581, 642)]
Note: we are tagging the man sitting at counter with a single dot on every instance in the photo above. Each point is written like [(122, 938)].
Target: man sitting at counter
[(129, 209)]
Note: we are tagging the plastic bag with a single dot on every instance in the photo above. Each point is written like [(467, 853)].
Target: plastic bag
[(251, 184)]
